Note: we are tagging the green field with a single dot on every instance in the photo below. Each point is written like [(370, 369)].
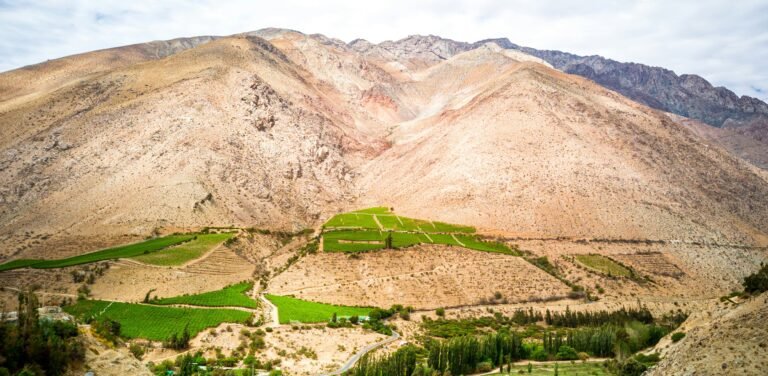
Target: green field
[(364, 219), (230, 296), (125, 251), (183, 253), (604, 264), (155, 323), (576, 368), (359, 231), (352, 220), (291, 309), (358, 241), (374, 210)]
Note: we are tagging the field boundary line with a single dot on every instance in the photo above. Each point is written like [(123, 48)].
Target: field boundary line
[(376, 219), (458, 241)]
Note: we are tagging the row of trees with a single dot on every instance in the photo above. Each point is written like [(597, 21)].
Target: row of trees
[(465, 355), (571, 319), (470, 354), (401, 362)]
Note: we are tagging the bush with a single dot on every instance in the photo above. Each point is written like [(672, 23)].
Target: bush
[(757, 282), (539, 354), (137, 350), (566, 352), (440, 312), (486, 366), (677, 336), (631, 367)]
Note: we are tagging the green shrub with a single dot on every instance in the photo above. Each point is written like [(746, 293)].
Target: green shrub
[(631, 367), (566, 352), (677, 336), (539, 354), (485, 366), (757, 282), (440, 312), (137, 350)]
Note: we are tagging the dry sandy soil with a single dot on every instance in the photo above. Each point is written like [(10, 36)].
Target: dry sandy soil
[(331, 347), (129, 281), (103, 359), (722, 340), (425, 277)]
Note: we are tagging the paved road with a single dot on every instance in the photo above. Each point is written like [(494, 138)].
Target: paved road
[(351, 362)]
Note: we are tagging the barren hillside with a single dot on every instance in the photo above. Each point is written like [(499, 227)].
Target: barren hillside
[(282, 132)]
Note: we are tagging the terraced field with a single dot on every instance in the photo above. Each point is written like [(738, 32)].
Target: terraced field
[(125, 251), (230, 296), (368, 229), (381, 218), (604, 264), (651, 262), (183, 253), (154, 322), (291, 309)]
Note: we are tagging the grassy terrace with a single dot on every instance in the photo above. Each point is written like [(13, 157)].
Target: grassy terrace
[(368, 229), (230, 296), (604, 264), (183, 253), (125, 251), (291, 309), (155, 323)]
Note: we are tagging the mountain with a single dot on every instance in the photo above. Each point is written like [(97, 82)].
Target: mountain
[(687, 95), (280, 132)]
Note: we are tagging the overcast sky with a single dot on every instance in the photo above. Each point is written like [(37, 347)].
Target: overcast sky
[(726, 42)]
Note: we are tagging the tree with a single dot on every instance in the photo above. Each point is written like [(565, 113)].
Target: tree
[(388, 241), (37, 347), (333, 318)]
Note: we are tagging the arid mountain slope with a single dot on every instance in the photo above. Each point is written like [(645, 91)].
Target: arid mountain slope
[(55, 73), (547, 154), (721, 341), (194, 139), (282, 133), (687, 95)]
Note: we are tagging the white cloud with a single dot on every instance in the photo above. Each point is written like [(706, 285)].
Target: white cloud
[(725, 42)]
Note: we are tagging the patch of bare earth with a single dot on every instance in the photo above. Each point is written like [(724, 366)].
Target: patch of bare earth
[(130, 281), (424, 277)]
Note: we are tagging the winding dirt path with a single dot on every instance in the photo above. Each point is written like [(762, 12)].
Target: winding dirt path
[(273, 314)]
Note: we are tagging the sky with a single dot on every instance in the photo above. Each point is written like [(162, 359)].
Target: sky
[(725, 42)]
